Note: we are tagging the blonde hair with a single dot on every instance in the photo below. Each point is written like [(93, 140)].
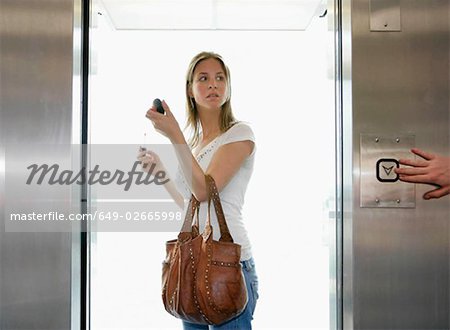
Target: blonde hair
[(227, 118)]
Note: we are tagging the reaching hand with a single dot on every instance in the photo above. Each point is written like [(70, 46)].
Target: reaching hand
[(166, 124), (432, 169), (148, 158)]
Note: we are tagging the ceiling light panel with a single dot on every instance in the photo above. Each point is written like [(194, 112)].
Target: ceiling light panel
[(211, 14)]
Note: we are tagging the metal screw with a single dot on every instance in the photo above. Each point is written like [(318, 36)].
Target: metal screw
[(398, 201), (377, 201), (377, 139), (397, 140)]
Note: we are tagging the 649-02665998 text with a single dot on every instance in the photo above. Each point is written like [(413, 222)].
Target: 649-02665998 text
[(99, 216)]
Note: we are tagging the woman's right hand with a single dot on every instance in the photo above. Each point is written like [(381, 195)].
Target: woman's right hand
[(166, 124), (149, 158)]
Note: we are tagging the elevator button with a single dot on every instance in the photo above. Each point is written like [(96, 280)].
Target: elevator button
[(385, 170)]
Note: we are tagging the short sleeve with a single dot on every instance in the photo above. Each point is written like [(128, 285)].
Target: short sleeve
[(240, 132)]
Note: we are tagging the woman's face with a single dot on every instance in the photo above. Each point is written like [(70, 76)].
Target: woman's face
[(209, 85)]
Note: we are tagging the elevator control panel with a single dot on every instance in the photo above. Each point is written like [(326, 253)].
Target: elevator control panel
[(379, 184)]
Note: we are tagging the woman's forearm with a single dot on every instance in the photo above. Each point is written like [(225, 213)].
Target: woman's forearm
[(174, 193), (149, 161), (192, 171)]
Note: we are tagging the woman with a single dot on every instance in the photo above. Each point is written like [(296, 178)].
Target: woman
[(221, 147)]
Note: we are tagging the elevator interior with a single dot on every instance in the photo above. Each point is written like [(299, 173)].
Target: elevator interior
[(290, 67)]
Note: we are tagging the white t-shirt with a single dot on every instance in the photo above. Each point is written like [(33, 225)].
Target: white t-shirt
[(232, 195)]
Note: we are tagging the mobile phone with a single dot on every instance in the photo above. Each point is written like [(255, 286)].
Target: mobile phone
[(158, 105)]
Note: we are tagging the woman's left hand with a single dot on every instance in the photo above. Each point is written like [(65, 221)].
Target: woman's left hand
[(166, 124), (149, 158)]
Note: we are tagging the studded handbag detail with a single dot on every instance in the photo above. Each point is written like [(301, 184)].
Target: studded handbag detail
[(202, 279)]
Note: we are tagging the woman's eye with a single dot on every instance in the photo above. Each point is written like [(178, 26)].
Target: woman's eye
[(202, 78), (220, 78)]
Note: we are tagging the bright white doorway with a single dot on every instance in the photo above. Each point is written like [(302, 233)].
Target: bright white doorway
[(283, 85)]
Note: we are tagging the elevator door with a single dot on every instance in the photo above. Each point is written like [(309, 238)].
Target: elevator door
[(282, 84)]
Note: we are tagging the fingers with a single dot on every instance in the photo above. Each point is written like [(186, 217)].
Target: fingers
[(419, 166), (154, 117), (146, 155), (165, 106), (152, 113), (165, 124), (412, 162), (410, 170), (147, 160), (437, 193), (419, 162), (414, 178), (422, 153)]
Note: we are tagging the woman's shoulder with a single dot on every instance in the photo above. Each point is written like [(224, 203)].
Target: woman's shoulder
[(240, 130), (240, 126)]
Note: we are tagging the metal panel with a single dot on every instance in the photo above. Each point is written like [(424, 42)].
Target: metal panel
[(76, 286), (385, 15), (336, 254), (36, 108), (347, 166), (400, 269), (379, 185)]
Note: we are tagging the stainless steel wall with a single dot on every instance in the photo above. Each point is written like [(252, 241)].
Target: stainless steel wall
[(396, 269), (36, 38)]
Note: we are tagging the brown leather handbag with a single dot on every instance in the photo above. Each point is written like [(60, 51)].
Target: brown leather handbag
[(202, 279)]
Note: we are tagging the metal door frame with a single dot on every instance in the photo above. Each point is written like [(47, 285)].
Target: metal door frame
[(341, 304)]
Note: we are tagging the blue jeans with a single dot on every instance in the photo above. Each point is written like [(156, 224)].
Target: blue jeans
[(243, 321)]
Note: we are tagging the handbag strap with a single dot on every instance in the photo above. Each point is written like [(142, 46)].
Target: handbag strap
[(190, 228), (213, 195)]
